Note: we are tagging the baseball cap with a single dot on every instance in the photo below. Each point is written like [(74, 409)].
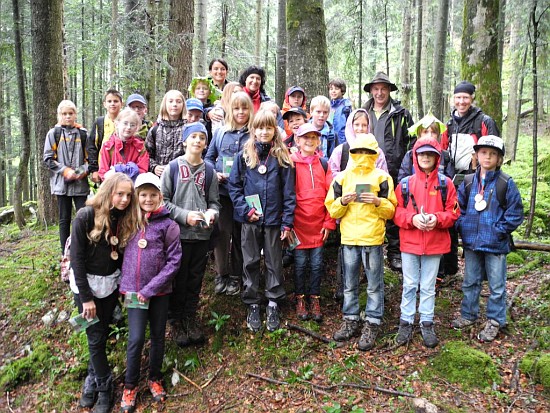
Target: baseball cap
[(195, 127), (427, 148), (292, 111), (295, 89), (194, 104), (307, 128), (490, 141), (147, 178), (135, 97)]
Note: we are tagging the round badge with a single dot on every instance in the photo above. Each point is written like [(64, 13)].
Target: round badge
[(113, 240), (478, 197), (114, 255), (262, 169), (142, 243), (481, 205)]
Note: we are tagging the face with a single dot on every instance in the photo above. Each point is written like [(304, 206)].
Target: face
[(360, 125), (241, 115), (488, 158), (196, 143), (296, 99), (426, 160), (462, 102), (335, 92), (174, 106), (194, 115), (273, 109), (202, 91), (139, 108), (264, 134), (319, 116), (253, 82), (429, 133), (218, 72), (381, 93), (67, 116), (308, 143), (126, 128), (112, 104), (122, 196), (149, 198), (295, 121)]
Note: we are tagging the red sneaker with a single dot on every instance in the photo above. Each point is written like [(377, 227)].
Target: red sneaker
[(128, 403), (157, 391)]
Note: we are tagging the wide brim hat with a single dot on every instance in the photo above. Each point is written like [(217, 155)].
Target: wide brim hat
[(380, 77)]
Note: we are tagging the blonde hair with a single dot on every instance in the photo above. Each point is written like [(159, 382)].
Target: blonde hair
[(237, 100), (129, 114), (66, 104), (163, 112), (319, 101), (227, 94), (279, 151), (128, 223)]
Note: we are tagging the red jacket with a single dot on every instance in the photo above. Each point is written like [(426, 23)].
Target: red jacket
[(425, 190), (134, 151), (310, 214)]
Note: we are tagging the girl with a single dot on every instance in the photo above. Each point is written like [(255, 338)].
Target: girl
[(227, 143), (261, 186), (203, 89), (100, 232), (163, 141), (158, 245), (223, 106), (65, 157), (124, 151)]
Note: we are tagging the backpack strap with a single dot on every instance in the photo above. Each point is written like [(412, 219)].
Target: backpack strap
[(443, 187), (502, 187), (345, 156), (58, 130), (468, 179), (405, 190), (100, 131), (324, 164), (173, 175)]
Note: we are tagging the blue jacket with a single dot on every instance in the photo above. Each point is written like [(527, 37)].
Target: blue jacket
[(225, 144), (275, 189), (489, 230), (341, 108), (327, 139)]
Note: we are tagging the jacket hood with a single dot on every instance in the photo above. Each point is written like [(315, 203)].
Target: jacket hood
[(297, 157), (362, 161), (290, 90), (118, 144), (350, 134), (423, 142)]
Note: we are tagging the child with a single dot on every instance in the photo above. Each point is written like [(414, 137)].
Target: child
[(195, 110), (340, 108), (157, 243), (320, 108), (65, 157), (423, 217), (138, 104), (102, 129), (227, 143), (362, 225), (100, 232), (272, 106), (223, 106), (164, 141), (124, 151), (190, 190), (295, 97), (486, 221), (203, 89), (263, 170), (294, 118), (312, 221)]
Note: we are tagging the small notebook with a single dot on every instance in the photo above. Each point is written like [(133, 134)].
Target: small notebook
[(79, 323), (253, 201), (292, 245), (227, 165), (361, 189), (131, 301)]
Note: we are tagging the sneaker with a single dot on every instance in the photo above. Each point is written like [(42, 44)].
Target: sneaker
[(194, 331), (233, 286), (461, 322), (428, 334), (89, 394), (404, 334), (273, 321), (396, 264), (315, 308), (157, 390), (129, 397), (490, 332), (253, 321), (220, 284), (368, 336), (347, 330), (301, 310)]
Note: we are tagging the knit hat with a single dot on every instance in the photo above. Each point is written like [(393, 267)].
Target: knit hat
[(194, 104), (491, 141), (307, 128), (292, 111), (147, 178), (135, 97), (380, 77), (465, 87), (191, 128)]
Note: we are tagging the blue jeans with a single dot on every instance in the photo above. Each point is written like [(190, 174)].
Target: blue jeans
[(373, 263), (479, 264), (301, 257), (419, 269)]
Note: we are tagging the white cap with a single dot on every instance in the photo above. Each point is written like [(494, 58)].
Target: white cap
[(490, 141), (148, 178)]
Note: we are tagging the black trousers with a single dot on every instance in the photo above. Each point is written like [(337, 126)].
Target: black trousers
[(65, 206)]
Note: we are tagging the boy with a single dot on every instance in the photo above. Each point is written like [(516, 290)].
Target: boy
[(102, 129), (294, 118), (486, 221), (189, 187), (195, 110), (320, 108), (138, 104), (295, 98), (362, 226), (340, 108)]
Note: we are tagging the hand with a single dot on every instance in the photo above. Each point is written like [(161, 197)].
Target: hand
[(69, 174), (326, 233), (431, 222), (347, 198), (370, 198), (287, 234), (95, 177), (141, 298), (88, 310), (221, 177), (216, 115), (254, 217), (194, 218), (210, 216), (159, 169)]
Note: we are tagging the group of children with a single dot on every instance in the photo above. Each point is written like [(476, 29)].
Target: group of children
[(150, 225)]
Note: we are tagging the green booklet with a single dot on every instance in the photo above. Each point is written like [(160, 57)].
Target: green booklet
[(361, 189), (131, 301), (227, 165), (253, 201), (79, 323), (292, 245)]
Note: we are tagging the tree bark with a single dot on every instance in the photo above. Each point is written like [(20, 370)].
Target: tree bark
[(419, 27), (3, 153), (113, 52), (181, 29), (280, 76), (307, 58), (225, 19), (257, 44), (406, 86), (439, 59), (199, 53)]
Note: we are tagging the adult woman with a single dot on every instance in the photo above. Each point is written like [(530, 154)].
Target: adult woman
[(218, 69)]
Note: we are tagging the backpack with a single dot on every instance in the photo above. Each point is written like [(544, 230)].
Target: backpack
[(58, 130), (501, 186), (405, 192), (345, 156), (100, 129), (66, 269), (208, 181)]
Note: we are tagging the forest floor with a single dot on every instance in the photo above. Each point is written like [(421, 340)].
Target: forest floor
[(42, 367)]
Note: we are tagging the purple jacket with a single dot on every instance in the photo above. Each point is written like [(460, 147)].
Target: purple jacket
[(150, 270)]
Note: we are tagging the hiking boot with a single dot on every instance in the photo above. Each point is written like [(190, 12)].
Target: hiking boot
[(273, 321), (461, 322), (288, 260), (253, 321), (428, 334), (129, 398), (220, 284), (368, 336), (89, 394), (233, 286), (404, 334), (315, 308), (396, 264), (347, 330), (104, 396), (157, 390), (301, 311), (194, 331), (490, 332), (181, 337)]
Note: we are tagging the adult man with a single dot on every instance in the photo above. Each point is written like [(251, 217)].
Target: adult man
[(389, 122)]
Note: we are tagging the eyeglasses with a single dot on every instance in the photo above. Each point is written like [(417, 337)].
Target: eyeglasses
[(128, 124)]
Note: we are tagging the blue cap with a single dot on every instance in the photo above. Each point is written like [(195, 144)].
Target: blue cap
[(195, 127), (135, 97), (194, 104)]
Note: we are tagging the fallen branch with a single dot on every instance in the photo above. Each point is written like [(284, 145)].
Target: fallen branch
[(8, 401), (515, 377), (212, 378), (272, 381), (188, 379), (517, 292), (312, 334)]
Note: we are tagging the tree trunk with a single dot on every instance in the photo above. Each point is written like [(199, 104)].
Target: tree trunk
[(479, 60), (307, 58), (501, 29), (360, 60), (258, 32), (199, 53), (47, 80), (386, 37), (440, 45), (419, 28), (425, 63), (280, 77), (225, 19), (406, 86), (267, 33), (514, 105), (83, 88), (179, 58), (3, 153), (113, 51), (152, 30)]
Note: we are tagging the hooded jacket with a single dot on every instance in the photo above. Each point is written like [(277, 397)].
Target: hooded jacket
[(362, 224), (424, 189), (340, 110), (310, 214), (150, 270), (286, 107), (115, 151)]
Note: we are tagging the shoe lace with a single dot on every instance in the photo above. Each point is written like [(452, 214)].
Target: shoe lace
[(272, 315)]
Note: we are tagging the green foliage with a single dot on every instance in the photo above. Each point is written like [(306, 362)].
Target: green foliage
[(32, 366), (515, 258), (537, 365), (218, 321)]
